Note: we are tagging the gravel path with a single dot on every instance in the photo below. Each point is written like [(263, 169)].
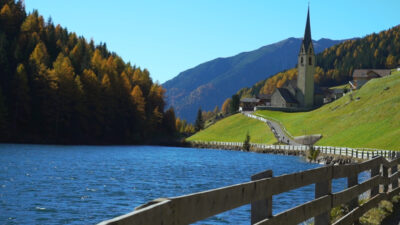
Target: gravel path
[(276, 129)]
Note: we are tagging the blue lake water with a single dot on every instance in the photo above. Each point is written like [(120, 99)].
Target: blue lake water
[(43, 184)]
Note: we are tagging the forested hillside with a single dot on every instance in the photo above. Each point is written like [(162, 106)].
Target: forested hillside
[(57, 87), (336, 64), (210, 83)]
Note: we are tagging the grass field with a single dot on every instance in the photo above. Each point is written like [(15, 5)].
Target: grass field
[(234, 129), (370, 118)]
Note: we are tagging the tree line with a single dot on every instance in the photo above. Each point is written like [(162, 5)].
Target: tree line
[(56, 87)]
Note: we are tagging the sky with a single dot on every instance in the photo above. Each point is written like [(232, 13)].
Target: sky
[(168, 37)]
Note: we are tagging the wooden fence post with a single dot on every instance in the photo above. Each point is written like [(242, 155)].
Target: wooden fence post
[(395, 183), (321, 189), (262, 209), (375, 172), (385, 173), (352, 181)]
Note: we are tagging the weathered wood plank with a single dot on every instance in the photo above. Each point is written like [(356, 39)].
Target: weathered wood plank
[(352, 181), (300, 213), (321, 189), (261, 209), (354, 169), (194, 207), (356, 213), (350, 193), (198, 206), (154, 214)]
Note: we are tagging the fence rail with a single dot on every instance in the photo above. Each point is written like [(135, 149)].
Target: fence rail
[(198, 206), (360, 153)]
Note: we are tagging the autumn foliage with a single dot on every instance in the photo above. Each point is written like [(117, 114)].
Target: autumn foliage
[(336, 64), (56, 87)]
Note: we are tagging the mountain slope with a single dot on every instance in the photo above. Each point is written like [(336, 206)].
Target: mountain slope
[(335, 65), (210, 83), (368, 119), (234, 129)]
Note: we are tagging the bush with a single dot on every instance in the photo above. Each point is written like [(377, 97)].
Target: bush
[(246, 143)]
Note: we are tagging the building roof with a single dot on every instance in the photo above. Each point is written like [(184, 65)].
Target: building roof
[(249, 100), (285, 93), (292, 83), (264, 96), (307, 41), (368, 73)]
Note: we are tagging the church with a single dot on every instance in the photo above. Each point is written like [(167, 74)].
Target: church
[(300, 93)]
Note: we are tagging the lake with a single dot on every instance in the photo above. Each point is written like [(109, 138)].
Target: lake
[(44, 184)]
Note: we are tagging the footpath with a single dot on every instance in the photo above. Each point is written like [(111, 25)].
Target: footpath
[(276, 129)]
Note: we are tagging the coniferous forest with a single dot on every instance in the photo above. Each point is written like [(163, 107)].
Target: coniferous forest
[(57, 87)]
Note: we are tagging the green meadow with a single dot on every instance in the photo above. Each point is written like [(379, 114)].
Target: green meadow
[(365, 118), (234, 129), (369, 117)]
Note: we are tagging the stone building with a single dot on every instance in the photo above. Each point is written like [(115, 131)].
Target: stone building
[(299, 93)]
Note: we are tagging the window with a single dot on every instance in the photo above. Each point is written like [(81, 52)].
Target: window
[(301, 60), (310, 61)]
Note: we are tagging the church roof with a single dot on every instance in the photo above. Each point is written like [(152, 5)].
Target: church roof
[(249, 100), (285, 93), (264, 96), (307, 41)]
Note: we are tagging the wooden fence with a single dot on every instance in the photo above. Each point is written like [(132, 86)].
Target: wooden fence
[(360, 153), (259, 191)]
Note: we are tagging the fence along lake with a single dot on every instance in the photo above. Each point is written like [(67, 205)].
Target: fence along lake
[(44, 184)]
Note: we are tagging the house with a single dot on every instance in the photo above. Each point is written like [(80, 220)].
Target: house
[(248, 104), (362, 76), (265, 99)]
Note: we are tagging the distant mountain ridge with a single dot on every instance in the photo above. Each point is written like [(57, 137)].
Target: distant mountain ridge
[(210, 83)]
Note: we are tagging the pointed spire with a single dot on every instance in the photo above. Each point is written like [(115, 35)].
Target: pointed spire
[(307, 33)]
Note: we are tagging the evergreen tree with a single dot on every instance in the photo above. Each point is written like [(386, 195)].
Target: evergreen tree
[(199, 124), (234, 107), (22, 101), (246, 142), (169, 120)]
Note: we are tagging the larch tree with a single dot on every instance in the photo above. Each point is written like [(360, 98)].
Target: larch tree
[(226, 106), (22, 100), (139, 101)]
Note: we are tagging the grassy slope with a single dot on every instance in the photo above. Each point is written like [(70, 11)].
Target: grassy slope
[(234, 129), (371, 122)]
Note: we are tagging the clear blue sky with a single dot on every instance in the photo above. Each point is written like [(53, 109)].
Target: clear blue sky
[(168, 37)]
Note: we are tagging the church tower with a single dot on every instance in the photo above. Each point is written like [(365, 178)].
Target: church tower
[(306, 68)]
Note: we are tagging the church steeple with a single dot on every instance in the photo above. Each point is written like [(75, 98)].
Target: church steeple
[(307, 41), (306, 69)]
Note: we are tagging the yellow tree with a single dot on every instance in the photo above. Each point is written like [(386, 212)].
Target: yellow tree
[(390, 61), (226, 106), (139, 101)]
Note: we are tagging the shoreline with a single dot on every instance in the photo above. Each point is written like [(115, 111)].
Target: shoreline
[(322, 158)]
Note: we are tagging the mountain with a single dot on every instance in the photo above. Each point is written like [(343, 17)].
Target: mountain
[(335, 65), (210, 83)]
